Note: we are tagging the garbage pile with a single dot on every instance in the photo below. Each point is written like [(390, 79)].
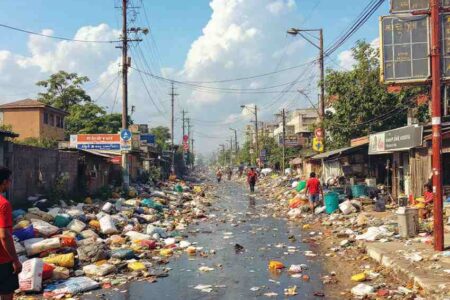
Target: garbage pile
[(346, 224), (72, 249)]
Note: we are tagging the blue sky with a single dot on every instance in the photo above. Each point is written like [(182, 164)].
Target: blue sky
[(194, 40), (175, 23)]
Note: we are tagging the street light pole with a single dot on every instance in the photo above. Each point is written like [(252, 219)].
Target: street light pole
[(255, 112)]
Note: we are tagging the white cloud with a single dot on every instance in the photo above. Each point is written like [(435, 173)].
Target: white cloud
[(346, 60)]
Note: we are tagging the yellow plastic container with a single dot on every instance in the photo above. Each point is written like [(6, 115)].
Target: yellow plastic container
[(359, 277), (136, 266), (276, 265)]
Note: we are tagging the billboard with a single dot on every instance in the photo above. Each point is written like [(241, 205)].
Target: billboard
[(404, 49), (95, 141), (405, 6)]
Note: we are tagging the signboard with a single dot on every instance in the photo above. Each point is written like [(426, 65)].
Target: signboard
[(125, 134), (318, 132), (148, 139), (445, 3), (404, 49), (291, 140), (186, 143), (136, 142), (317, 145), (399, 139), (95, 141), (404, 6), (446, 45)]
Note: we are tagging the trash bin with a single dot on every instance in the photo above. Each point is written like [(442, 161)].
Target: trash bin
[(408, 221)]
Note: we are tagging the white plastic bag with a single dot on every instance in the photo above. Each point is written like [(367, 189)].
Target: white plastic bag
[(44, 228), (30, 279), (107, 225), (76, 225), (362, 289), (102, 270), (346, 207), (107, 207), (38, 245), (137, 236), (76, 285)]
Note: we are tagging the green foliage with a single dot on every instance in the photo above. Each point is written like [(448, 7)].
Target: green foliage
[(39, 142), (362, 105), (162, 135), (59, 188), (63, 90), (105, 192), (6, 127)]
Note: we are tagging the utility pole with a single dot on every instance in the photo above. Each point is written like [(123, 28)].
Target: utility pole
[(125, 172), (231, 151), (236, 146), (188, 120), (256, 133), (183, 113), (192, 151), (322, 79), (283, 114), (436, 123), (172, 94)]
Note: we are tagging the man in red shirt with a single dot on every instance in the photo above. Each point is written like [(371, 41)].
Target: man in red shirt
[(252, 176), (314, 188), (10, 266)]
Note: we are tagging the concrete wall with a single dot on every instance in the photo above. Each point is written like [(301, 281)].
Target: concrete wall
[(35, 170), (48, 131)]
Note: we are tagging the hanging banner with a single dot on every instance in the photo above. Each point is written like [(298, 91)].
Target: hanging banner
[(399, 139)]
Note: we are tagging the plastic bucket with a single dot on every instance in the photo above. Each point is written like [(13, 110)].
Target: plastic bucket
[(331, 202)]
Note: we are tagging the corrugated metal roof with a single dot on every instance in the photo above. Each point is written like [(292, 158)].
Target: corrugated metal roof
[(335, 152)]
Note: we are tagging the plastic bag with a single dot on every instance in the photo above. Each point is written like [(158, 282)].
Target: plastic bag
[(346, 207), (68, 241), (61, 260), (123, 253), (47, 271), (362, 290), (44, 228), (62, 220), (94, 224), (86, 234), (107, 207), (107, 225), (92, 252), (166, 252), (136, 266), (137, 236), (151, 230), (24, 233), (102, 270), (76, 285), (76, 225), (18, 213), (148, 244), (30, 279), (275, 265), (38, 245)]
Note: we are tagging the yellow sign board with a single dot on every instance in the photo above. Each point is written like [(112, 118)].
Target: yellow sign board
[(317, 145)]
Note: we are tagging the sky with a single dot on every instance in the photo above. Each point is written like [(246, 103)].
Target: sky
[(195, 43)]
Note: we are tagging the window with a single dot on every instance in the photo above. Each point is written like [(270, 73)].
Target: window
[(58, 122), (52, 120), (45, 118)]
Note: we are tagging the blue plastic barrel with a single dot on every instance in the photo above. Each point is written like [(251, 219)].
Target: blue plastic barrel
[(359, 190), (331, 202)]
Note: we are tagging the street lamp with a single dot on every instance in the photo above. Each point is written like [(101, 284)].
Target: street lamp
[(319, 46), (255, 112), (236, 148)]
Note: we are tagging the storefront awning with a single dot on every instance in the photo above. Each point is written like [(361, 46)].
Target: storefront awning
[(296, 161), (337, 152)]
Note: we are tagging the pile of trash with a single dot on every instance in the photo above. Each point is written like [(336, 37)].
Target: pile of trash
[(77, 248)]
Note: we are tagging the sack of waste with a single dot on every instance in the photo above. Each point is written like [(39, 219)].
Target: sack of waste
[(92, 252), (76, 285), (38, 245), (122, 253), (24, 233), (62, 220), (76, 225), (30, 279), (44, 228), (137, 236), (107, 225), (101, 270), (61, 260)]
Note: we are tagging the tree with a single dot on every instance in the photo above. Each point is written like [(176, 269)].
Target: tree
[(64, 90), (162, 135), (360, 103)]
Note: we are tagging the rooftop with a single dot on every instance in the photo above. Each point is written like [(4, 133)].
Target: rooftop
[(29, 103)]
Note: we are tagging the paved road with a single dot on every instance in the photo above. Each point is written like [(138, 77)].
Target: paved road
[(243, 220)]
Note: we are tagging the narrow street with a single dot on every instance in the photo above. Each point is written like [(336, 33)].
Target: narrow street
[(239, 219)]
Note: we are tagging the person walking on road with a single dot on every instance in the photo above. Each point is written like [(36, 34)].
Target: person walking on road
[(219, 175), (252, 177), (10, 266), (314, 189)]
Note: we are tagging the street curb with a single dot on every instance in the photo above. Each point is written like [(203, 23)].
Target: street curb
[(384, 255)]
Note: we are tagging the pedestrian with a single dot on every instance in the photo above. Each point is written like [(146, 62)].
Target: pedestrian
[(252, 177), (428, 196), (314, 189), (10, 266), (229, 173), (219, 175)]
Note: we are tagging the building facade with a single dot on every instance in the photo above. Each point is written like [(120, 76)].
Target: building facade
[(33, 119)]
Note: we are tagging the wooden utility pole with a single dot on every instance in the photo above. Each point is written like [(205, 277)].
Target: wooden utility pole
[(125, 172), (256, 134), (436, 113), (283, 115), (172, 94), (231, 151), (183, 113), (192, 151)]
